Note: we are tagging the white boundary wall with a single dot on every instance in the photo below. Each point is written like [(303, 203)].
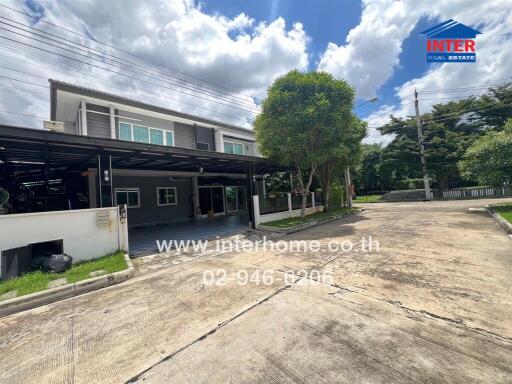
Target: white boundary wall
[(86, 233), (260, 219)]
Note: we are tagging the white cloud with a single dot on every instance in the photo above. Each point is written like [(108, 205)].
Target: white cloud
[(372, 51), (236, 54)]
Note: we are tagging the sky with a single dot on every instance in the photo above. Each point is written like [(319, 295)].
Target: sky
[(216, 58)]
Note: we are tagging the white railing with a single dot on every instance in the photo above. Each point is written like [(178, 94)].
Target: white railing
[(283, 214)]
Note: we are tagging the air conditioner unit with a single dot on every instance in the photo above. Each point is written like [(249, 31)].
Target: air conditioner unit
[(57, 126)]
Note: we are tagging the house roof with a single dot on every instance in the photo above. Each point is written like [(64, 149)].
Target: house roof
[(57, 85), (451, 29), (31, 149)]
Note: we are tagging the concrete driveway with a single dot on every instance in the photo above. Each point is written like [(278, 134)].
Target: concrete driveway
[(432, 306)]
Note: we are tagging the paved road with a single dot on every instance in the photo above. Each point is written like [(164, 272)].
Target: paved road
[(433, 305)]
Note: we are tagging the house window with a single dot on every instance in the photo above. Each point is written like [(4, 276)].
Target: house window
[(125, 131), (203, 146), (166, 196), (169, 136), (142, 134), (233, 147), (156, 136), (128, 196)]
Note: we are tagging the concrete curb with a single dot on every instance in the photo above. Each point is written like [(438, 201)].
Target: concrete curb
[(501, 221), (302, 227), (37, 299)]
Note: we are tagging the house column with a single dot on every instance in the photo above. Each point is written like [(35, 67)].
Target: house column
[(253, 191), (106, 192), (219, 141), (195, 191), (112, 122), (83, 117)]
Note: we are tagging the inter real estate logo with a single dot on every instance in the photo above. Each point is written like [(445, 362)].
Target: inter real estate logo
[(451, 41)]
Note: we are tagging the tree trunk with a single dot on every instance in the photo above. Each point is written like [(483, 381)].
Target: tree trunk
[(327, 194), (305, 189)]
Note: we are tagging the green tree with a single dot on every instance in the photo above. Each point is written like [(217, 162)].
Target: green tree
[(489, 159), (302, 122), (346, 155)]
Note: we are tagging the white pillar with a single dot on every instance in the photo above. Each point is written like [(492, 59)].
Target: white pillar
[(112, 122), (289, 204), (83, 117), (219, 141), (313, 199), (256, 207)]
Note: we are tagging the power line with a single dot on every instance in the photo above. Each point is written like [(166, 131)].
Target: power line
[(120, 64), (118, 73), (153, 93), (24, 114), (461, 89), (123, 51)]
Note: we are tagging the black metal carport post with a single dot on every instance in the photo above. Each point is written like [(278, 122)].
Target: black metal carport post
[(251, 181)]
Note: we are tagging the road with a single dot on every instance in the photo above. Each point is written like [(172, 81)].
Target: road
[(431, 305)]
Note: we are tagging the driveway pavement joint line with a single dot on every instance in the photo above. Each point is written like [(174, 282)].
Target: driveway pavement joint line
[(446, 260), (212, 331), (396, 303), (449, 348)]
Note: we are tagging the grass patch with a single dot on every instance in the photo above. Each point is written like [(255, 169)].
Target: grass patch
[(367, 199), (38, 281), (294, 221), (505, 211)]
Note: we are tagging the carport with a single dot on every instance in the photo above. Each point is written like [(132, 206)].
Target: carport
[(144, 240), (46, 170)]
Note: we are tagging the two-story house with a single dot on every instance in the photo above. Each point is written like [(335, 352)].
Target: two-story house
[(101, 149)]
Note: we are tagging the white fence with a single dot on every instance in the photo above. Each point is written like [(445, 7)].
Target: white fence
[(260, 219), (86, 233)]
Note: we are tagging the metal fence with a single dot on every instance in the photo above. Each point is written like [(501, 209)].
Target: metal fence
[(319, 198), (297, 201), (273, 204), (449, 194)]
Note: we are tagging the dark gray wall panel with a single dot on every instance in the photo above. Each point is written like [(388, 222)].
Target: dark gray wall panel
[(149, 212)]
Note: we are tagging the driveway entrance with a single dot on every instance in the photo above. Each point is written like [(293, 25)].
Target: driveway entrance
[(143, 240)]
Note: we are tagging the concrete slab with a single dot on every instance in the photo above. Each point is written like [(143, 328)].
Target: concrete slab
[(433, 306), (57, 282)]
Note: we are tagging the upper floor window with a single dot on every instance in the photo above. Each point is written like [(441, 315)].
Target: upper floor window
[(142, 134), (233, 147)]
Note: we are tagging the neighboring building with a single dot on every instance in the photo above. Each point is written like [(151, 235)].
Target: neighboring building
[(105, 149)]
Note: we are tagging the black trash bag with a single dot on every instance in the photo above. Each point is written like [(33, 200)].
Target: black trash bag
[(53, 264)]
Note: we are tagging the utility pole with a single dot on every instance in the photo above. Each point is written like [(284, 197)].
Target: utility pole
[(428, 195), (348, 189)]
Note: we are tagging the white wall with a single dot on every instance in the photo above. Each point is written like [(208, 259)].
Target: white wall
[(86, 233)]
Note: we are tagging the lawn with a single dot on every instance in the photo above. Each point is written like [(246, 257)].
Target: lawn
[(294, 221), (367, 199), (38, 281), (505, 211)]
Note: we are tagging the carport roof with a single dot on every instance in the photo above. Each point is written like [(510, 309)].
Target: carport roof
[(21, 146)]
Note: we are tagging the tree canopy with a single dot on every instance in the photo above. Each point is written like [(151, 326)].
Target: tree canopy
[(306, 121), (489, 160)]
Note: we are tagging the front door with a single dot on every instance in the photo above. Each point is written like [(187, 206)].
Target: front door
[(235, 199), (211, 198)]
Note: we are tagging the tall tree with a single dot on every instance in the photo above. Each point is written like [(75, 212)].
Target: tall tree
[(346, 155), (302, 122), (489, 159)]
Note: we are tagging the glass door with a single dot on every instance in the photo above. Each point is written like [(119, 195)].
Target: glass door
[(235, 199), (211, 198)]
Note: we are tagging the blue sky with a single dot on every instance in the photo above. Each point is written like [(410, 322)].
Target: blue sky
[(328, 21), (242, 46)]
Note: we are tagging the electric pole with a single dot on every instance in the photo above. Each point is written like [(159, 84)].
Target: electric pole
[(348, 189), (426, 182)]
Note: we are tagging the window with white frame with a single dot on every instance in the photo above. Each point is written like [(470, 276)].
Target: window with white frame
[(166, 196), (143, 134), (128, 196), (233, 147)]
